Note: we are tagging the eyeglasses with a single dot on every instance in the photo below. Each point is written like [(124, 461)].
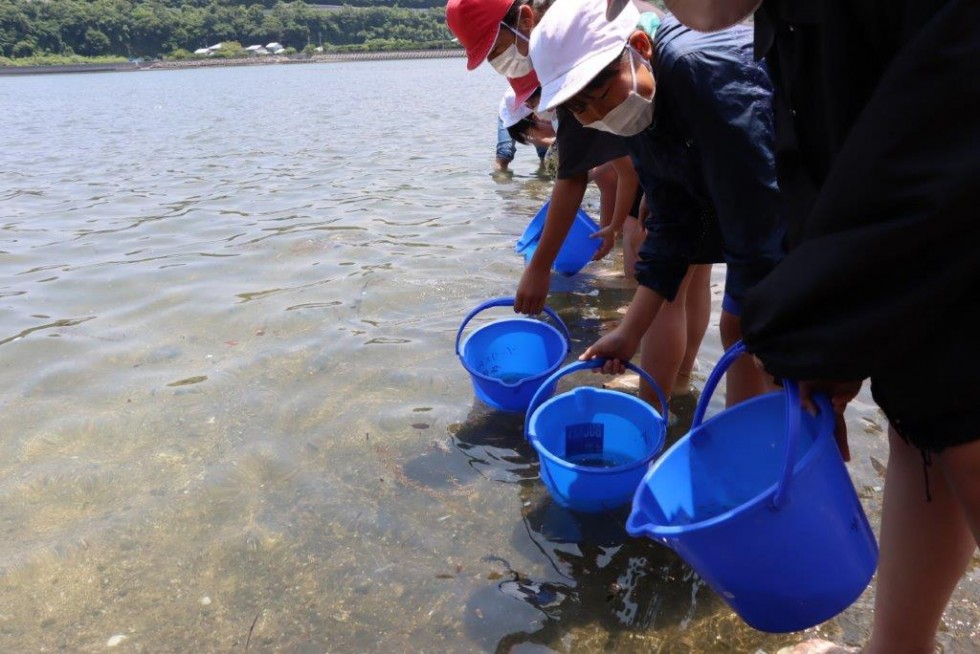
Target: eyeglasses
[(594, 89)]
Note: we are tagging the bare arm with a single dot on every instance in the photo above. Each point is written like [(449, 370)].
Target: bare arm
[(619, 345), (566, 197), (626, 181), (626, 186)]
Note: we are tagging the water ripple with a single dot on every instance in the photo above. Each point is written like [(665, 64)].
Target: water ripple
[(267, 411)]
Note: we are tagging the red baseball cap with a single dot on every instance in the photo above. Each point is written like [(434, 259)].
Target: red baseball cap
[(476, 24), (524, 87)]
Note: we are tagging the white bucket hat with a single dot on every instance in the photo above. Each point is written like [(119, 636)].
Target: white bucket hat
[(573, 42)]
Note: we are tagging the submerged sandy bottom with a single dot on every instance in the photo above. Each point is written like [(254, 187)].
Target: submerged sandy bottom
[(231, 411)]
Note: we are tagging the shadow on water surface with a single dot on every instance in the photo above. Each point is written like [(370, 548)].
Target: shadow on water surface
[(591, 576), (494, 445), (596, 578), (601, 579)]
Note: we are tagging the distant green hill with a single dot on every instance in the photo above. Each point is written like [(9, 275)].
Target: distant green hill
[(408, 4), (156, 28)]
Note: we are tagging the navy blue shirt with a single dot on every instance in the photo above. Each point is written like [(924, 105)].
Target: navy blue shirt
[(581, 149), (706, 163)]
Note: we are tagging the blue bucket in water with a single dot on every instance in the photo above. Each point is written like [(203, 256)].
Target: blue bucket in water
[(509, 359), (577, 250), (594, 444), (757, 500)]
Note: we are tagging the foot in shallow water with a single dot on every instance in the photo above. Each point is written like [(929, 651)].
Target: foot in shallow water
[(818, 646), (682, 384)]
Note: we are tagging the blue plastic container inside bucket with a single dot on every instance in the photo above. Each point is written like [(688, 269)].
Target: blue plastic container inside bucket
[(509, 359), (594, 444), (757, 500), (577, 250)]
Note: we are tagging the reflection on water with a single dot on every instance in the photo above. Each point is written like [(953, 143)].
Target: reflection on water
[(579, 582), (231, 411)]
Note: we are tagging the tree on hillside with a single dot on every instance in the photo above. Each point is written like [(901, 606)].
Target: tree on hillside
[(149, 28)]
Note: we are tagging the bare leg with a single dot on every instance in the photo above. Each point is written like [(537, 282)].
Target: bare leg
[(605, 179), (744, 379), (925, 546), (663, 344), (698, 300), (961, 465), (633, 236)]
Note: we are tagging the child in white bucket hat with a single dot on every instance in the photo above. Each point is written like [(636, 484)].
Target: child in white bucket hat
[(523, 126), (695, 112)]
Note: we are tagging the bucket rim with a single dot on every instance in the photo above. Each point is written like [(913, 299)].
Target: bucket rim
[(566, 348), (532, 232), (658, 445), (821, 442)]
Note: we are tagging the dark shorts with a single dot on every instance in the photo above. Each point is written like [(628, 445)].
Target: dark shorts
[(637, 199), (712, 250), (731, 305), (711, 247), (931, 395)]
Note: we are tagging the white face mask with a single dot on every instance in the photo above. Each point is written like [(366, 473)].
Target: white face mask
[(511, 63), (632, 115)]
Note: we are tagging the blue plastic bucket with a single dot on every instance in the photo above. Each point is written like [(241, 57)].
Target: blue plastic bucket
[(757, 500), (577, 250), (594, 444), (509, 359)]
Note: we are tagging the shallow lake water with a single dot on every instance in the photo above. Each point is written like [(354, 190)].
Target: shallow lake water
[(231, 415)]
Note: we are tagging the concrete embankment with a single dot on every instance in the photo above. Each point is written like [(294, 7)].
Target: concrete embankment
[(68, 68), (209, 63)]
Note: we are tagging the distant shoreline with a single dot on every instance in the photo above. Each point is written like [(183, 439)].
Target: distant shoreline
[(171, 64)]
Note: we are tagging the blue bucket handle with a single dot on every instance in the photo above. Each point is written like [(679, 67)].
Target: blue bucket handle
[(549, 383), (794, 417), (505, 302)]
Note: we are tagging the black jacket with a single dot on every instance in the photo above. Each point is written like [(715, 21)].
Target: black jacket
[(878, 161)]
